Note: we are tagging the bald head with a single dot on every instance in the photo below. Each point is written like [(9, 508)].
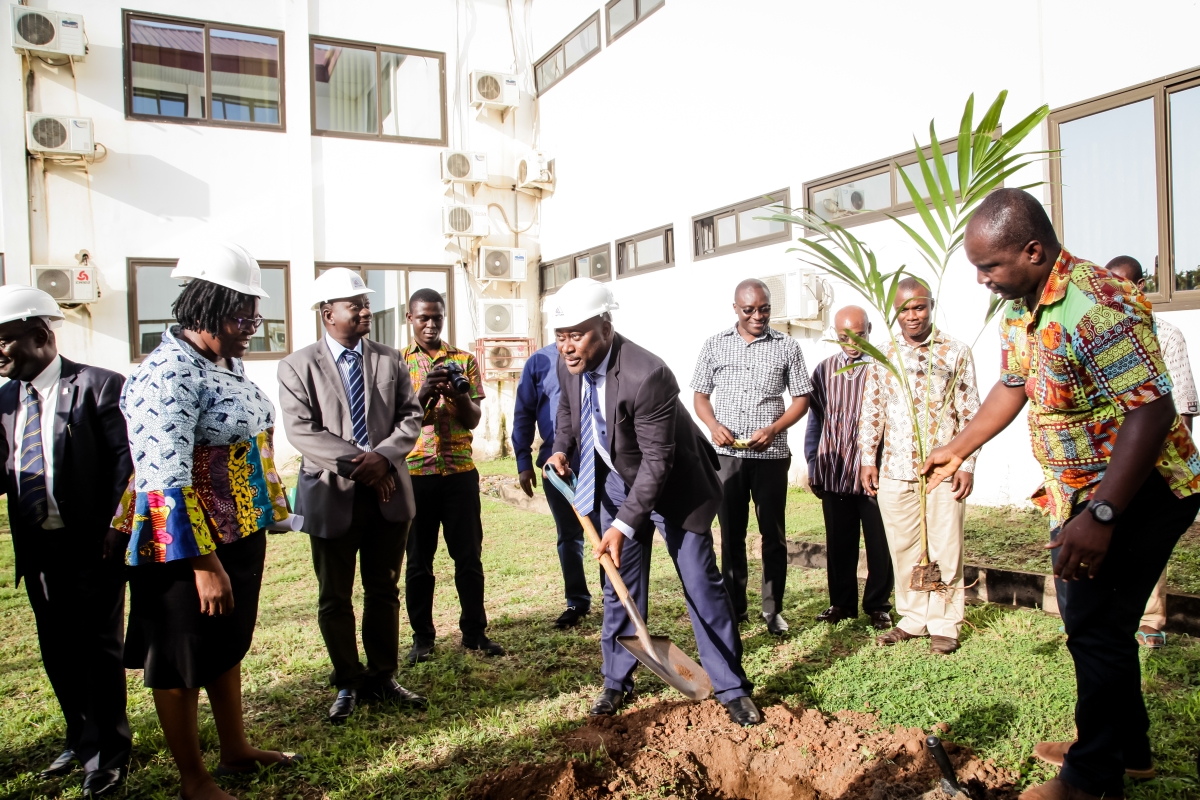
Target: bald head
[(752, 285), (851, 320), (752, 302)]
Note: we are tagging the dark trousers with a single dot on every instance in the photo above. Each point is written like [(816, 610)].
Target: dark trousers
[(378, 545), (713, 622), (449, 502), (844, 515), (80, 614), (1101, 616), (765, 481), (570, 549)]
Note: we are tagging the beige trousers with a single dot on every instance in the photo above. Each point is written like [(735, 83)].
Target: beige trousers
[(1156, 607), (900, 505)]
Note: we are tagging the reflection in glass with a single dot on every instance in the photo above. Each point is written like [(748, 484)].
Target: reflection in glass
[(913, 171), (1185, 186), (1109, 195), (548, 277), (600, 266), (245, 77), (411, 96), (562, 272), (726, 231), (651, 251), (582, 43), (388, 306), (752, 228), (345, 83), (620, 15), (650, 5), (272, 336), (550, 70), (582, 265), (856, 197), (167, 65)]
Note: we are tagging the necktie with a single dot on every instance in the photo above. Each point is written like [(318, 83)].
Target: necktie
[(356, 394), (585, 487), (32, 466)]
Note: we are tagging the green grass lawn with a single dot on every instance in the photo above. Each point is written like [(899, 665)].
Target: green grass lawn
[(1010, 686)]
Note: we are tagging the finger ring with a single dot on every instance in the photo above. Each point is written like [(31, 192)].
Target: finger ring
[(1082, 564)]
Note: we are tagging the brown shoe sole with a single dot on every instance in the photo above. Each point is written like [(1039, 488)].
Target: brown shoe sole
[(1054, 757)]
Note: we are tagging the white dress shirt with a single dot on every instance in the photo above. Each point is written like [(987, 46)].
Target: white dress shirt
[(336, 349), (46, 384), (600, 430)]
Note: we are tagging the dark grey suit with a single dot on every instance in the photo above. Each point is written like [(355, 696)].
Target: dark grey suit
[(666, 477)]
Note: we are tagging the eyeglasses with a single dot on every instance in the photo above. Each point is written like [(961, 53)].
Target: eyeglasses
[(248, 323)]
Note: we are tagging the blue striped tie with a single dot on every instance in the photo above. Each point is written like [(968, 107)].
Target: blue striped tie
[(357, 396), (585, 487), (31, 464)]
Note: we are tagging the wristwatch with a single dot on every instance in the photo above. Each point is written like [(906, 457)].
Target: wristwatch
[(1103, 512)]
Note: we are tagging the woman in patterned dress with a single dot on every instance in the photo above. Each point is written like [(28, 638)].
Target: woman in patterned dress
[(204, 488)]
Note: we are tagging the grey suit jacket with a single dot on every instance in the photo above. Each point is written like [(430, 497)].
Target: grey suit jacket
[(316, 417), (655, 446)]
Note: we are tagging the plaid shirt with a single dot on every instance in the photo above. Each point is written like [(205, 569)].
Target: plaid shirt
[(444, 447), (748, 379), (1087, 355)]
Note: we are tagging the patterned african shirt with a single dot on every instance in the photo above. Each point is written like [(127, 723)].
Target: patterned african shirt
[(445, 444), (1087, 355), (945, 404), (203, 456)]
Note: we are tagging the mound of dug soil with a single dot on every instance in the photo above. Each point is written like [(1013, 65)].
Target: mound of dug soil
[(693, 750)]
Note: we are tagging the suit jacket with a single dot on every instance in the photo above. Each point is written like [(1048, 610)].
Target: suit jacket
[(655, 446), (92, 466), (316, 418)]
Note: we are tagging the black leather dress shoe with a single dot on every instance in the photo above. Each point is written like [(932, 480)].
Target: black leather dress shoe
[(343, 706), (743, 711), (485, 645), (743, 617), (834, 614), (570, 618), (608, 702), (390, 691), (60, 766), (421, 651), (881, 620), (102, 782), (776, 624)]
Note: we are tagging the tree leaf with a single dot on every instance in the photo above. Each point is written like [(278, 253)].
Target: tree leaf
[(922, 209), (943, 174), (964, 142)]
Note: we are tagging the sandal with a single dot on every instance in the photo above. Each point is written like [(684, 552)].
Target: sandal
[(288, 760), (1153, 640)]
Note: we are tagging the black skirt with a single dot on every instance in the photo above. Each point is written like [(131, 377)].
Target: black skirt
[(176, 645)]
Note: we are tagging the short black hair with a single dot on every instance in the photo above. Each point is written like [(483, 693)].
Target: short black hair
[(1014, 218), (1135, 266), (426, 296), (203, 306)]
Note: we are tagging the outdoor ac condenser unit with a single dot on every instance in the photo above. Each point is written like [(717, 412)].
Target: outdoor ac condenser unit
[(502, 357), (850, 199), (460, 166), (465, 220), (48, 33), (536, 171), (502, 264), (67, 285), (503, 317), (795, 295), (495, 90), (50, 134)]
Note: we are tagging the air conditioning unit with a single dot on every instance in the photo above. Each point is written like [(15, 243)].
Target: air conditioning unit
[(502, 357), (464, 220), (797, 294), (536, 171), (67, 285), (48, 33), (503, 317), (502, 264), (459, 166), (495, 90), (54, 135), (846, 200)]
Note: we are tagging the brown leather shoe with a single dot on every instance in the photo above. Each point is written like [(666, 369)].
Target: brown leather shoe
[(1057, 790), (942, 645), (1053, 752), (895, 636)]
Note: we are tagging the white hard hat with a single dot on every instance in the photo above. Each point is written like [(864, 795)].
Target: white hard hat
[(578, 300), (336, 283), (223, 263), (23, 302)]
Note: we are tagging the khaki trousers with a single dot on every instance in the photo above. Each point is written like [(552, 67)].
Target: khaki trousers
[(900, 505), (1156, 607)]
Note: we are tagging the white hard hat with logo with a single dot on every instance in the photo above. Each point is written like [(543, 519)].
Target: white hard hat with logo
[(337, 283), (223, 263), (579, 300), (23, 302)]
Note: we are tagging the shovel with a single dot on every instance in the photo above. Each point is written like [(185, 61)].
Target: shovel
[(658, 654)]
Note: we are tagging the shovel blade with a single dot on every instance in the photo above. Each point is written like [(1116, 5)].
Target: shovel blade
[(671, 664), (926, 577)]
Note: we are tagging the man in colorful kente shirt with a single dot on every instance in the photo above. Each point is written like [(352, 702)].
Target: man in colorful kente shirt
[(1079, 345)]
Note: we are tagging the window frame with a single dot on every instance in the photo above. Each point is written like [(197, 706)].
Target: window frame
[(379, 49), (573, 259), (135, 341), (637, 18), (127, 18), (595, 17), (666, 231), (782, 196), (1160, 91), (358, 266)]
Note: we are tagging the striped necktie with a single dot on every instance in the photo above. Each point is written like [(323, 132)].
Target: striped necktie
[(32, 465), (356, 394), (585, 487)]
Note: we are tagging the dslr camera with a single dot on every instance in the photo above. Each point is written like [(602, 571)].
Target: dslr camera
[(457, 380)]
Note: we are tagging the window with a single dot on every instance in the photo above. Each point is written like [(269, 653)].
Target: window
[(393, 285), (594, 263), (623, 15), (733, 228), (646, 252), (173, 66), (1130, 157), (580, 45), (152, 292), (372, 91)]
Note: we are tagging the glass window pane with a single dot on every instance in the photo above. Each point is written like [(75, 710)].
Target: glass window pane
[(621, 15), (650, 5), (582, 43), (550, 70), (272, 336), (411, 96), (388, 306), (562, 272), (547, 277), (245, 77), (156, 292), (856, 197), (1185, 187), (1108, 175), (168, 69), (582, 266), (755, 228), (651, 251), (913, 171), (345, 81), (600, 265), (727, 231)]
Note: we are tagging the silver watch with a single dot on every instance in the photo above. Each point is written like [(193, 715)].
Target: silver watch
[(1102, 511)]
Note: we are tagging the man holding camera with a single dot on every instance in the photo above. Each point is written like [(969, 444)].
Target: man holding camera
[(444, 479)]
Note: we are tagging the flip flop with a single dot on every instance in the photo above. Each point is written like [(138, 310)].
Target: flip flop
[(288, 760), (1151, 641)]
